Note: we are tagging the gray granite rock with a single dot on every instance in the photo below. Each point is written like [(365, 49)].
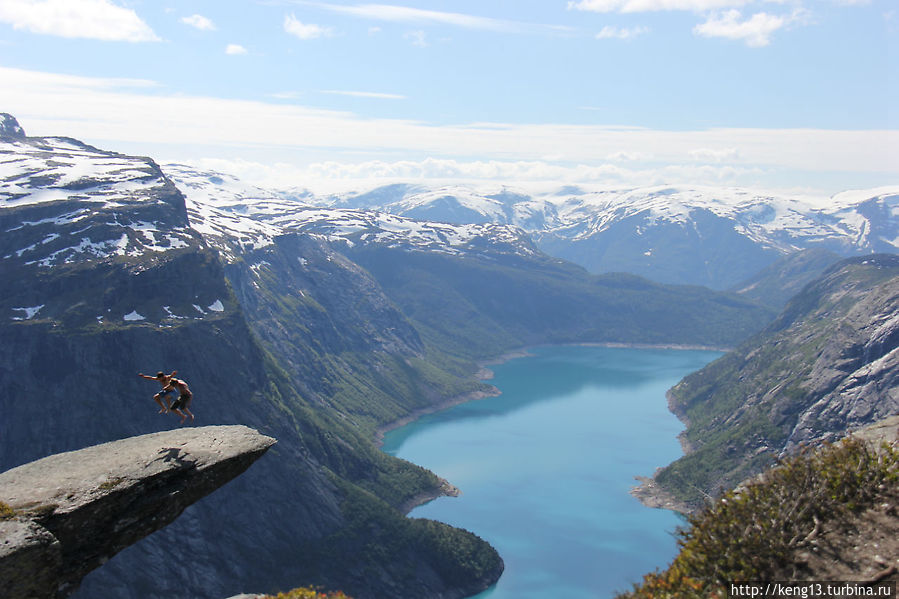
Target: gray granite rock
[(75, 510)]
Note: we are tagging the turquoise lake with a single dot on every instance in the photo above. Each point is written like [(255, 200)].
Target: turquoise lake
[(545, 469)]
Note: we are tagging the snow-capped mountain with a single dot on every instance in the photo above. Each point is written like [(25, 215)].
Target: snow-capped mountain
[(701, 235), (717, 237), (82, 203), (227, 211)]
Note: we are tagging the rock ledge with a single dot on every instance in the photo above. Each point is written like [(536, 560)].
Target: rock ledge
[(75, 510)]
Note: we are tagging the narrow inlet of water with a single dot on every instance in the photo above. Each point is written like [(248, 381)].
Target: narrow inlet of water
[(545, 469)]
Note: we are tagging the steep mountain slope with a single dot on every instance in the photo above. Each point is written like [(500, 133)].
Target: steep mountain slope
[(104, 277), (480, 306), (479, 289), (697, 235), (828, 364), (776, 284)]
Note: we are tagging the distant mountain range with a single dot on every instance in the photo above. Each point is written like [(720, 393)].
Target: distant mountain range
[(709, 236)]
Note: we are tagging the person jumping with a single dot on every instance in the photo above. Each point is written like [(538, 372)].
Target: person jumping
[(180, 405), (164, 380)]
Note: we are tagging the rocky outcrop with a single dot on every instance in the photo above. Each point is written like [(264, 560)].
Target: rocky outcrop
[(9, 127), (828, 365), (75, 510), (855, 379)]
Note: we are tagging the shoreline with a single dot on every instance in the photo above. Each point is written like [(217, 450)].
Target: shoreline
[(615, 344), (651, 495), (482, 374), (647, 492), (431, 409), (444, 488)]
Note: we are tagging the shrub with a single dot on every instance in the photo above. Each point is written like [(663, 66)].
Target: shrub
[(6, 512), (753, 531)]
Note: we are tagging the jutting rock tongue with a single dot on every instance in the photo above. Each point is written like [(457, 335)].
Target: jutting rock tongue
[(75, 510)]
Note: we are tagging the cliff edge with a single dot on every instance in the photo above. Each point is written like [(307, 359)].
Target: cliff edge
[(73, 511)]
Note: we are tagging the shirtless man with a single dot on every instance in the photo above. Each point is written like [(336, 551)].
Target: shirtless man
[(164, 380), (180, 405)]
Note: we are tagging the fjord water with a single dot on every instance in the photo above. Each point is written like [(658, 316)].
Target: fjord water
[(545, 468)]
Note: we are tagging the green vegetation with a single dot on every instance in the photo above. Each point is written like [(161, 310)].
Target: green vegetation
[(374, 535), (6, 512), (480, 307), (111, 484), (776, 284), (753, 532), (307, 593)]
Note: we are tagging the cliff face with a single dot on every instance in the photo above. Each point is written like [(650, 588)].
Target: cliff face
[(107, 273), (76, 510), (827, 365)]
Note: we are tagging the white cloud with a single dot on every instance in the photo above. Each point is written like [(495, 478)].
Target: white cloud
[(90, 19), (127, 116), (406, 14), (235, 49), (37, 82), (718, 156), (756, 31), (621, 33), (358, 94), (287, 95), (418, 38), (629, 157), (652, 5), (332, 176), (199, 22), (304, 31)]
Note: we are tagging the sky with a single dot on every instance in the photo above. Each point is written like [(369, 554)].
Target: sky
[(778, 94)]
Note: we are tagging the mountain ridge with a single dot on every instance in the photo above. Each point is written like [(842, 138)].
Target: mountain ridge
[(672, 234)]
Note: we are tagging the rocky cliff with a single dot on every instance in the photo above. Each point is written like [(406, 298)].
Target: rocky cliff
[(75, 510), (827, 365), (109, 274)]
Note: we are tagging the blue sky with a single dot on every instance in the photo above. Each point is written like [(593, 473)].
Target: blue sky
[(799, 94)]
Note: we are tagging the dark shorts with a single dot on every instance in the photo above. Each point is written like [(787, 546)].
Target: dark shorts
[(165, 393), (183, 401)]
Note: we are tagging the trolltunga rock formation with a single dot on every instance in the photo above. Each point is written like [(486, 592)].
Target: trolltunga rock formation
[(75, 510)]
